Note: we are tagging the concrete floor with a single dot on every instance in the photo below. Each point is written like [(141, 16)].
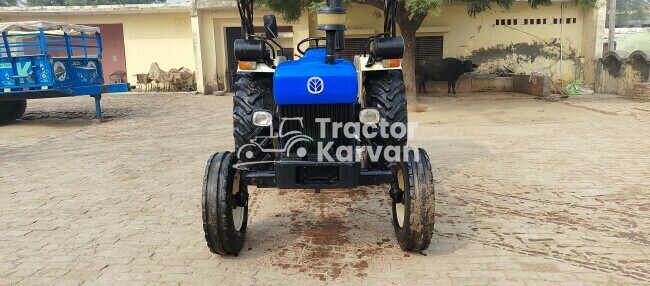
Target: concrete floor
[(528, 192)]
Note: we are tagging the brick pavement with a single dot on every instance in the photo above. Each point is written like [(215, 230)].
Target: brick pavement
[(529, 192)]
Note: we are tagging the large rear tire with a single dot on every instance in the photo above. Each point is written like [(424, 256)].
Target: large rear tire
[(385, 91), (254, 91), (225, 205), (414, 216), (12, 110)]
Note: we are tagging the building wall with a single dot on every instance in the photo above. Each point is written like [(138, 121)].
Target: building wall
[(592, 40), (162, 38), (213, 45), (519, 48), (619, 71), (113, 50), (562, 51), (633, 39)]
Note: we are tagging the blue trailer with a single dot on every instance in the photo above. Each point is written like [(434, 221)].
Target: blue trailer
[(40, 59)]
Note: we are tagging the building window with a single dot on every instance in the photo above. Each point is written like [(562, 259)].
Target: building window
[(565, 21), (504, 22), (544, 21), (428, 47), (351, 46)]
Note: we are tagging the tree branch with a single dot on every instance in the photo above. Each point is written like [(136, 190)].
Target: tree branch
[(417, 20)]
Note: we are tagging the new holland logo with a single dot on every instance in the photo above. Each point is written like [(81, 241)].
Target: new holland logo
[(315, 85)]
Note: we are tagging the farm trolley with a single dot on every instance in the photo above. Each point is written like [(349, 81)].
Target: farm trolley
[(40, 59)]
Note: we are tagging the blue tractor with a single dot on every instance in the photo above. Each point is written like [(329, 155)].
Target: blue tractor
[(318, 122), (40, 59)]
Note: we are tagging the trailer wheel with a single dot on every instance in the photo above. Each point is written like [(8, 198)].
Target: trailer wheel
[(414, 209), (12, 110), (254, 91), (225, 205), (385, 91)]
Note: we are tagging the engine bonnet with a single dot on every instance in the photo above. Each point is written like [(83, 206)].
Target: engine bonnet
[(310, 81)]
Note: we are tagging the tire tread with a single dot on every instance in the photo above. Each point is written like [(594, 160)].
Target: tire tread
[(220, 235), (417, 232), (385, 90), (253, 92)]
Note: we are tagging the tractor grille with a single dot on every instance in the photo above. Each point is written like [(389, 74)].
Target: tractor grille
[(335, 112)]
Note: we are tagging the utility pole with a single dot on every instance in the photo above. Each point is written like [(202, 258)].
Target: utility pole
[(612, 25)]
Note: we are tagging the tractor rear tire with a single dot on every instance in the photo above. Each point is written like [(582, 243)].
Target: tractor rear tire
[(254, 91), (225, 209), (12, 110), (414, 216), (385, 91)]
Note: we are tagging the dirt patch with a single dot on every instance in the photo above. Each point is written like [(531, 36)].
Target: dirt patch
[(324, 248)]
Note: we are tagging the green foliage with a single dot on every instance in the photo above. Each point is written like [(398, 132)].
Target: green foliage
[(476, 7), (586, 4), (86, 2), (630, 11), (45, 2), (420, 7), (292, 9), (7, 3)]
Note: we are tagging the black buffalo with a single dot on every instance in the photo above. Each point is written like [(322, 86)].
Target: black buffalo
[(447, 69)]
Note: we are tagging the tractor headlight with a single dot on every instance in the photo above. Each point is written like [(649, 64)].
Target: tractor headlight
[(369, 116), (262, 118)]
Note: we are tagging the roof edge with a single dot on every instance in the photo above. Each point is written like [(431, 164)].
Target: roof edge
[(98, 9)]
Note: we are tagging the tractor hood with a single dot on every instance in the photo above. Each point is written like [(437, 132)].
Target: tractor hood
[(310, 80)]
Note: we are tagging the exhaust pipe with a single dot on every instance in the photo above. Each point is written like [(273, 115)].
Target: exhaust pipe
[(331, 19)]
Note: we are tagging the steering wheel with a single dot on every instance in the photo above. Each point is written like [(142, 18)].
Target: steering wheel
[(317, 39)]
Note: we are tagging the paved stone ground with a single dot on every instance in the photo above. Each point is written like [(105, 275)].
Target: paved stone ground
[(528, 192)]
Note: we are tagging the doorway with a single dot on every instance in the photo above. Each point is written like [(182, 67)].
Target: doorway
[(113, 56), (232, 34)]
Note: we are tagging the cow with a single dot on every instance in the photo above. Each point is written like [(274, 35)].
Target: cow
[(447, 69)]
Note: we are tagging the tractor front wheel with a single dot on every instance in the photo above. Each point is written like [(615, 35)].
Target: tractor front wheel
[(12, 110), (225, 205), (414, 201)]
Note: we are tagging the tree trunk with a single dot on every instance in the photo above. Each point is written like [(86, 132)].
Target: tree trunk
[(408, 24), (408, 27), (409, 65)]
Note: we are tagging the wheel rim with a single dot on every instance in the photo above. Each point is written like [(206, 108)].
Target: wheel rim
[(400, 209), (237, 212)]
